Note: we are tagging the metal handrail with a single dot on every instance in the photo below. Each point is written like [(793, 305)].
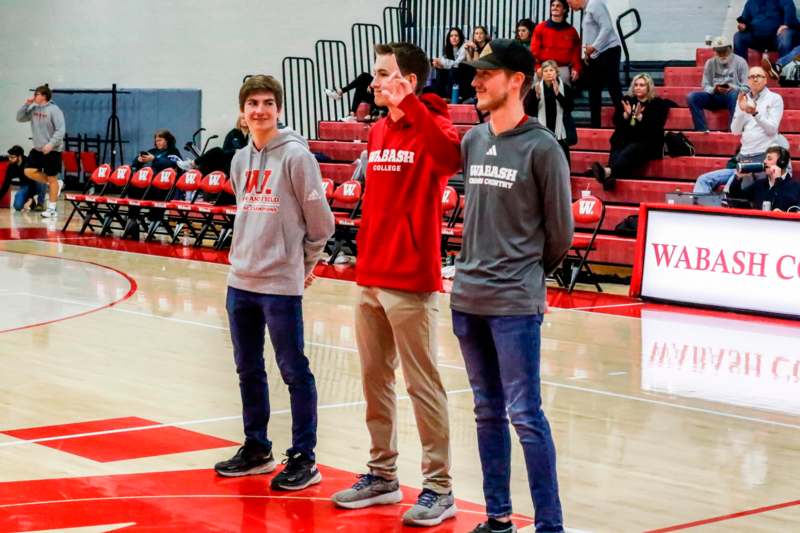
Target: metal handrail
[(624, 36)]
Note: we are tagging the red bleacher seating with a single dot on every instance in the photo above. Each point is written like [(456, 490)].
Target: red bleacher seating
[(702, 55), (681, 119), (691, 77), (679, 95), (339, 173)]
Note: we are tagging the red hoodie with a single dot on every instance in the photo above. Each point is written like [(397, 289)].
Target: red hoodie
[(408, 166), (559, 42)]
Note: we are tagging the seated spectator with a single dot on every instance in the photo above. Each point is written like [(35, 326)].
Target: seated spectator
[(29, 191), (363, 94), (551, 102), (236, 138), (556, 40), (777, 187), (163, 155), (448, 68), (524, 31), (474, 47), (757, 119), (724, 76), (766, 25), (638, 132), (776, 71)]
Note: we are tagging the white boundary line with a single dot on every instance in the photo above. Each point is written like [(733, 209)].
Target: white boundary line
[(324, 407), (599, 392)]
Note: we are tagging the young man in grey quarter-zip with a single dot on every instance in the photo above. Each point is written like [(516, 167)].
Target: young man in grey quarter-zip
[(517, 228)]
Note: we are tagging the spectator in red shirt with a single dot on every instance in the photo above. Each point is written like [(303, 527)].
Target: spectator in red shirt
[(556, 40)]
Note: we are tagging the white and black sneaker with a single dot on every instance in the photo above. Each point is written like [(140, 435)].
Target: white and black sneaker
[(300, 472), (333, 94), (249, 460), (49, 213)]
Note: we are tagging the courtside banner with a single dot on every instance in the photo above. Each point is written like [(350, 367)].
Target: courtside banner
[(717, 258)]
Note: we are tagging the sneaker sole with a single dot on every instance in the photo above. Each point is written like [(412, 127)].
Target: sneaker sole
[(382, 499), (313, 481), (450, 512), (263, 469)]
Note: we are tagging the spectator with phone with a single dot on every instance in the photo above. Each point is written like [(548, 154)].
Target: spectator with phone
[(163, 155), (724, 75)]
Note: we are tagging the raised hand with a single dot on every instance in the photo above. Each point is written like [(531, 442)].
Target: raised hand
[(573, 75), (29, 101), (626, 108), (743, 102), (396, 88)]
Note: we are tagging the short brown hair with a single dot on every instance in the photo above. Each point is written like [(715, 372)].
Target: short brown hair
[(411, 60), (527, 83), (261, 83), (45, 91)]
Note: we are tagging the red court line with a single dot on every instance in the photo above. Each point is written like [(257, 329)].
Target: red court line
[(133, 288), (723, 518), (117, 446)]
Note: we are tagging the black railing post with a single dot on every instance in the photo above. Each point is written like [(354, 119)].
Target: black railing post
[(623, 37)]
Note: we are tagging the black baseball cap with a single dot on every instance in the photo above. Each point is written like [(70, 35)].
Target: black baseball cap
[(507, 54)]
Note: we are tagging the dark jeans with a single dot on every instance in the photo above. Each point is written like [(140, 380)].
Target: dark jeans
[(629, 158), (29, 189), (700, 100), (501, 354), (460, 75), (362, 94), (783, 43), (603, 72), (248, 313)]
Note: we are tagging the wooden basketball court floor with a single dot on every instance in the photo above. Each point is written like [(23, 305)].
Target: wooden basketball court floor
[(118, 394)]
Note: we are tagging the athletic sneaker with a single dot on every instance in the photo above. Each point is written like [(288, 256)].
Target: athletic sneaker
[(49, 213), (333, 94), (773, 71), (484, 528), (369, 490), (431, 509), (349, 118), (249, 460), (299, 473), (185, 164)]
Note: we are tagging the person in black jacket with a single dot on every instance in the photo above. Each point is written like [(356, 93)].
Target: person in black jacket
[(778, 188), (638, 132), (28, 188), (220, 158), (162, 155), (551, 101)]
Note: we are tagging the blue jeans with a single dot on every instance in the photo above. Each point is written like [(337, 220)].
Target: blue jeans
[(783, 43), (501, 354), (709, 181), (248, 313), (700, 100), (788, 58), (28, 189)]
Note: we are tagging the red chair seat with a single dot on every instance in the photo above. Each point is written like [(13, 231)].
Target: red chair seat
[(581, 242), (344, 220)]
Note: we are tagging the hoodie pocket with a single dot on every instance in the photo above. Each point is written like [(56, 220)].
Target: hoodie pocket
[(391, 246), (261, 257)]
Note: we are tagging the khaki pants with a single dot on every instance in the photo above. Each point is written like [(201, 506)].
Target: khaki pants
[(396, 325)]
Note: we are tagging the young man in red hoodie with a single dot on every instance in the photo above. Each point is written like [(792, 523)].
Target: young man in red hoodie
[(412, 153)]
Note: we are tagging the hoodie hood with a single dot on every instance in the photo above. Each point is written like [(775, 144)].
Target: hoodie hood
[(435, 104)]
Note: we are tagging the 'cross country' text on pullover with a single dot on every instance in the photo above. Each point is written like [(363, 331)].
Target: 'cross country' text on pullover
[(282, 217)]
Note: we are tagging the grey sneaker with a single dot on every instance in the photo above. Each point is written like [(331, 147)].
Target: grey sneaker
[(431, 509), (369, 490), (49, 213)]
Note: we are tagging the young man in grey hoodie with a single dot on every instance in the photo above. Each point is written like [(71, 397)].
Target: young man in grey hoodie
[(282, 224), (517, 228), (47, 130)]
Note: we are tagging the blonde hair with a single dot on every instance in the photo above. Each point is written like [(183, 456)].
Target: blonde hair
[(651, 86), (241, 125), (550, 63)]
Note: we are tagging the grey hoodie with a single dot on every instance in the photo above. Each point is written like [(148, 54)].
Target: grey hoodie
[(47, 124), (282, 218), (517, 222)]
